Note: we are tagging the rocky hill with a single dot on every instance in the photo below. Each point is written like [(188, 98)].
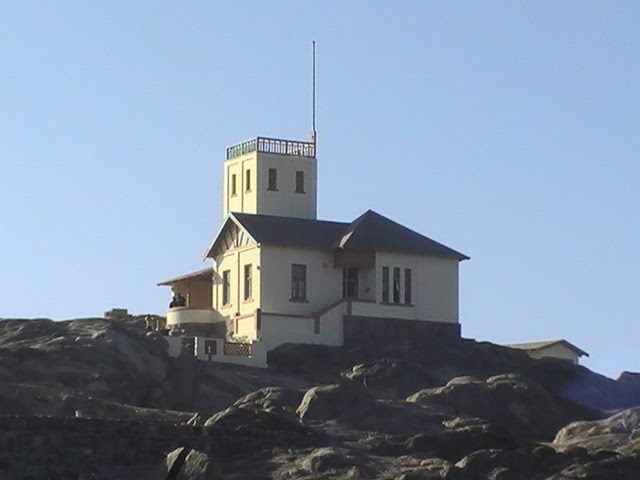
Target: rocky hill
[(93, 398)]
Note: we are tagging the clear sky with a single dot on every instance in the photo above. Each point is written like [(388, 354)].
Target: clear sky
[(506, 130)]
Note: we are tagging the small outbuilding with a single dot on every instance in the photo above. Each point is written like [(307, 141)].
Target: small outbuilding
[(561, 349)]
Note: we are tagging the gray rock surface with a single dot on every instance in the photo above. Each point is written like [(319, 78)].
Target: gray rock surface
[(451, 410)]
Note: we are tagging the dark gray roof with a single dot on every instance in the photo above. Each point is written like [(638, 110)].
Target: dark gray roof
[(299, 232), (370, 231)]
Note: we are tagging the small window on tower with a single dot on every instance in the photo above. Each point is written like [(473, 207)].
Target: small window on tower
[(299, 181), (273, 179), (233, 185), (247, 180)]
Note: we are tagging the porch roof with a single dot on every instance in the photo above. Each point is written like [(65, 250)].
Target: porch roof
[(204, 274)]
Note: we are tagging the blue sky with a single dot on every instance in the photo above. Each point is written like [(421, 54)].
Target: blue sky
[(506, 130)]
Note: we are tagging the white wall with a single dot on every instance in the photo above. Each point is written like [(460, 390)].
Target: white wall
[(181, 315), (245, 200), (276, 329), (235, 261), (434, 286), (324, 281), (556, 351), (285, 202)]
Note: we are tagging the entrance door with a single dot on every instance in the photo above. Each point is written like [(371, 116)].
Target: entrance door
[(350, 282)]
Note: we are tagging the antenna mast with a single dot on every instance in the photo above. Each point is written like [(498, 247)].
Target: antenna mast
[(313, 93)]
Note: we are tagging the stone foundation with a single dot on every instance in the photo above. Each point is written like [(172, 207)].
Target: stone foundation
[(367, 330)]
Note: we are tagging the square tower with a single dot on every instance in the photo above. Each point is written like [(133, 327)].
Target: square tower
[(271, 177)]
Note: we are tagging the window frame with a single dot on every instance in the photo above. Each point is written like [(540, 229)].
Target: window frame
[(226, 288), (408, 287), (298, 282), (247, 180), (299, 182), (234, 185), (385, 284), (396, 286), (248, 282), (272, 180)]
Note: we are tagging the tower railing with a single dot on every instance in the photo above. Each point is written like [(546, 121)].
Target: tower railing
[(273, 145)]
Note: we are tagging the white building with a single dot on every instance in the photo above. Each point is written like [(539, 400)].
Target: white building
[(560, 349), (281, 275)]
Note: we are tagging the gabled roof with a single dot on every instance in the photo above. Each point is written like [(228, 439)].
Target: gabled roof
[(371, 231), (285, 231), (546, 344)]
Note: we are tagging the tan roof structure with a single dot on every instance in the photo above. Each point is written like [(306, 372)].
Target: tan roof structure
[(529, 346)]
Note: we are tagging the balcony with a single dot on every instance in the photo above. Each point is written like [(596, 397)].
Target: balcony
[(273, 145), (189, 315)]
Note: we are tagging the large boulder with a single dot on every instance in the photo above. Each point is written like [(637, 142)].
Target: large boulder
[(250, 419), (619, 432), (345, 401), (114, 361), (391, 378), (286, 398), (518, 404), (187, 464)]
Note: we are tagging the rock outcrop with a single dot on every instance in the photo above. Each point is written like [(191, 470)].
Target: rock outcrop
[(91, 399)]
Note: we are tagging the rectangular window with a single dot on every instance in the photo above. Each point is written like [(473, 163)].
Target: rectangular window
[(407, 286), (247, 282), (233, 185), (273, 179), (247, 180), (350, 282), (299, 182), (385, 284), (396, 285), (226, 287), (298, 282)]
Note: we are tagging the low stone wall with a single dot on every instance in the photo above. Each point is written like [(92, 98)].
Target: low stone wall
[(59, 447), (360, 330), (71, 448)]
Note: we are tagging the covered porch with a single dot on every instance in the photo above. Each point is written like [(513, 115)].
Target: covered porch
[(358, 273), (194, 311)]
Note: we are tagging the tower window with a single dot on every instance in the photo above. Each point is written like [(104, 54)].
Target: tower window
[(226, 287), (273, 179), (233, 185), (299, 181), (298, 282), (247, 180)]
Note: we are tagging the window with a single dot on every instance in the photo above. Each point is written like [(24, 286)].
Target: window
[(233, 185), (385, 284), (350, 282), (247, 180), (226, 287), (247, 282), (407, 286), (298, 282), (299, 182), (273, 179), (396, 285)]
